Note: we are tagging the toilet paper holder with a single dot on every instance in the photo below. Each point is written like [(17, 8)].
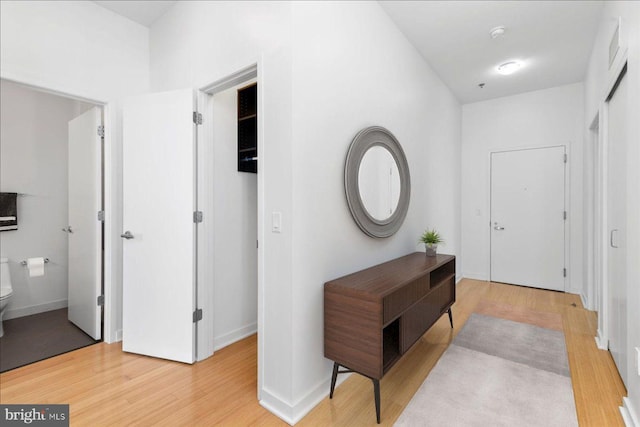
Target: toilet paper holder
[(46, 261)]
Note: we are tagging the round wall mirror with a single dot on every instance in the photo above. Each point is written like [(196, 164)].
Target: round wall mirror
[(377, 182)]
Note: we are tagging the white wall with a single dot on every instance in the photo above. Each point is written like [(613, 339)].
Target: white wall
[(197, 43), (75, 47), (326, 69), (535, 119), (33, 161), (79, 48), (235, 222), (353, 68), (598, 81)]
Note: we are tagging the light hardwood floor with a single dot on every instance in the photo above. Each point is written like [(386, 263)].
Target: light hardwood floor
[(106, 387)]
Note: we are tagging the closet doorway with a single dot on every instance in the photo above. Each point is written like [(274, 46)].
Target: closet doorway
[(51, 153), (235, 219), (228, 186)]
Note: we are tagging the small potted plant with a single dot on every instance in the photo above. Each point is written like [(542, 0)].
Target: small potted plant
[(431, 239)]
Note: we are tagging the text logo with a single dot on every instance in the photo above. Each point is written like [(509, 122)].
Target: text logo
[(35, 415)]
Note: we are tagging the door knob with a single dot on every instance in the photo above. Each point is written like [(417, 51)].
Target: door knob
[(67, 229), (127, 235)]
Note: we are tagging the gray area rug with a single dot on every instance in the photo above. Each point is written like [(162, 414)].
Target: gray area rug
[(497, 372), (32, 338)]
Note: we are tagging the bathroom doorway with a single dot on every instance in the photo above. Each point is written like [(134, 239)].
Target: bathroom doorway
[(51, 151)]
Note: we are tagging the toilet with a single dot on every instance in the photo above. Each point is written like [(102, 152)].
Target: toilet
[(5, 289)]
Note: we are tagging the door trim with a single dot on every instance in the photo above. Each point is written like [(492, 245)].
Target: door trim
[(205, 274), (567, 197)]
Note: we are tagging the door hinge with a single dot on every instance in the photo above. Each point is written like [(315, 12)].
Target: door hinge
[(565, 158), (101, 216), (564, 215), (197, 118), (101, 131), (564, 272), (197, 216), (100, 300), (197, 315)]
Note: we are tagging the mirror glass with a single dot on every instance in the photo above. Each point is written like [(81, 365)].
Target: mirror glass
[(379, 182)]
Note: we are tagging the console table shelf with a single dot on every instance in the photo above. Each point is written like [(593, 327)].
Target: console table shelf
[(374, 316)]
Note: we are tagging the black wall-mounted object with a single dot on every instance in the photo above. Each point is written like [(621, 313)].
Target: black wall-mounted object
[(8, 211), (248, 129)]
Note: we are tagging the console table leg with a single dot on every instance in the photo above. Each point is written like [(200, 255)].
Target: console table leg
[(376, 395), (450, 317), (333, 379)]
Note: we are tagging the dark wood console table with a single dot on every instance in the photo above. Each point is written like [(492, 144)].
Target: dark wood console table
[(374, 316)]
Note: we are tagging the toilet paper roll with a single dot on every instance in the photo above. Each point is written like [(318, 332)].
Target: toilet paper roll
[(35, 266)]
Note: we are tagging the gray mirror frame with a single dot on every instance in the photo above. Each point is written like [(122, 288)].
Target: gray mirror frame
[(365, 139)]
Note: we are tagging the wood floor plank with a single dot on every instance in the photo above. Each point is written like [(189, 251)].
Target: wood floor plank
[(107, 387)]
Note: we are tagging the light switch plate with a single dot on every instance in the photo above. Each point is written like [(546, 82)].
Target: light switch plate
[(276, 222)]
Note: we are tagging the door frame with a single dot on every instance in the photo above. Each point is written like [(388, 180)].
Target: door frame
[(110, 332), (205, 276), (616, 69), (567, 204), (590, 169)]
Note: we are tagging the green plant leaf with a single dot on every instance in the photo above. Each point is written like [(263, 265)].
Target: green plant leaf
[(431, 237)]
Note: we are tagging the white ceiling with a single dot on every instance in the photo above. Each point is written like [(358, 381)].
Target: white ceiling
[(142, 12), (553, 38)]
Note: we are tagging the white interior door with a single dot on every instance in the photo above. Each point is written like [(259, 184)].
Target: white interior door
[(617, 224), (85, 230), (527, 217), (158, 204)]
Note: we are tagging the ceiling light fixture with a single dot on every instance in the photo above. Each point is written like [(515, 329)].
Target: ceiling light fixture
[(509, 67), (497, 32)]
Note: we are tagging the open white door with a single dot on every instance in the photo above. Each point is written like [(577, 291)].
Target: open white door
[(527, 217), (85, 228), (158, 225)]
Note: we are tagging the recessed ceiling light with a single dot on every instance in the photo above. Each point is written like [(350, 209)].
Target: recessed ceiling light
[(509, 67), (497, 32)]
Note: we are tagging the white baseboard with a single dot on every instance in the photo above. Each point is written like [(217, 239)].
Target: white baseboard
[(585, 302), (277, 406), (475, 276), (118, 335), (600, 342), (34, 309), (291, 414), (629, 414), (234, 336)]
